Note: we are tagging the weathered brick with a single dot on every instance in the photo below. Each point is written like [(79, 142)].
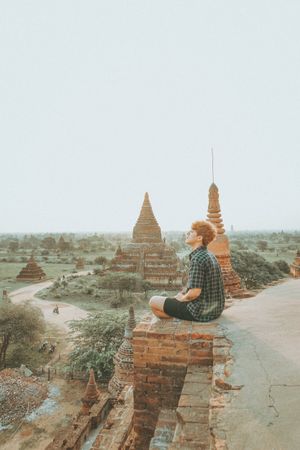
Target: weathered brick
[(192, 400), (158, 379), (193, 414)]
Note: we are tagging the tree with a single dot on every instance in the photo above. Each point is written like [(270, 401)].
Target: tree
[(146, 286), (101, 260), (48, 243), (96, 340), (176, 245), (240, 245), (13, 246), (282, 266), (19, 324), (121, 282), (63, 245), (262, 245), (254, 270)]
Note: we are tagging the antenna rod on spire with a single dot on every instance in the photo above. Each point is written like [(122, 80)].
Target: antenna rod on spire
[(212, 164)]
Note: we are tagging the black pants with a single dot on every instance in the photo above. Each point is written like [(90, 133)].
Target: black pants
[(175, 308)]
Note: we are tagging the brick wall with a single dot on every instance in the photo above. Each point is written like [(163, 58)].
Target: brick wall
[(115, 434), (73, 436), (162, 352)]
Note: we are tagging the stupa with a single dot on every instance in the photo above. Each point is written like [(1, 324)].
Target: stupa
[(80, 264), (123, 359), (295, 266), (31, 272), (220, 246), (91, 394), (148, 254)]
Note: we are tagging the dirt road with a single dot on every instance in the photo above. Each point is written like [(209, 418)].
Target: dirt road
[(66, 311)]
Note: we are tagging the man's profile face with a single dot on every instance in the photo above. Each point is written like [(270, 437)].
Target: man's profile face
[(192, 238)]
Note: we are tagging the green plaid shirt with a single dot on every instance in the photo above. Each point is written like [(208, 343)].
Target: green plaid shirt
[(205, 273)]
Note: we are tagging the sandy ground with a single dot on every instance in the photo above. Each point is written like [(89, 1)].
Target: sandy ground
[(37, 434), (65, 402)]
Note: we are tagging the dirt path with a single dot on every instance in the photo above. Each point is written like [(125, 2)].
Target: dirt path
[(66, 311)]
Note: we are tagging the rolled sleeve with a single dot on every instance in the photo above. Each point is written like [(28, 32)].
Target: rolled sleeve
[(196, 275)]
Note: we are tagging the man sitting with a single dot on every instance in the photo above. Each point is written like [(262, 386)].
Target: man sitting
[(204, 298)]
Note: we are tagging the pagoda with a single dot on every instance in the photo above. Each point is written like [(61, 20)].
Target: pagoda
[(147, 254), (295, 266), (32, 272), (123, 360), (220, 246), (91, 394), (80, 264)]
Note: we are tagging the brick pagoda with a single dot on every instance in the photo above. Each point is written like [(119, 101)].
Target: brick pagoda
[(91, 394), (295, 266), (80, 264), (220, 246), (123, 360), (32, 272), (148, 254)]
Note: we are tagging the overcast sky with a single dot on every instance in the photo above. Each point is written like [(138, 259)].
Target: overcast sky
[(101, 101)]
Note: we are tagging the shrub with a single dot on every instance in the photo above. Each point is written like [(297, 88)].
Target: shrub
[(96, 340), (254, 270), (282, 266)]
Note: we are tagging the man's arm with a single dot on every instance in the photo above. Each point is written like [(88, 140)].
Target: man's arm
[(191, 295), (195, 283)]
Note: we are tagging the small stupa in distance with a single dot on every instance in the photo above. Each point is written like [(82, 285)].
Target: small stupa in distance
[(32, 271)]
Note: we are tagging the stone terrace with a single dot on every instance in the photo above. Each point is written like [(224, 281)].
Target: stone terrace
[(175, 384), (179, 389)]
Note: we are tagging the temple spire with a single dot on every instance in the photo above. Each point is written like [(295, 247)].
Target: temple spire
[(131, 324), (212, 165), (220, 245), (146, 229), (214, 211), (91, 394)]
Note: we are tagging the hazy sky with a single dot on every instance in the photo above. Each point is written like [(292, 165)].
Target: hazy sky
[(101, 101)]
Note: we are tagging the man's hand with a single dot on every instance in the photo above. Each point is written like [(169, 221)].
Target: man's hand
[(179, 296), (191, 295)]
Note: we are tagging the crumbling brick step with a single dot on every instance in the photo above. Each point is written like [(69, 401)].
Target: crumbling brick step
[(164, 430), (192, 430)]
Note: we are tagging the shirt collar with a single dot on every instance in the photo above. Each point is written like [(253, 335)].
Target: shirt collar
[(198, 249)]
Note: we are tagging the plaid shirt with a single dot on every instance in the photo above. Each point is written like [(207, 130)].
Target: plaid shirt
[(205, 273)]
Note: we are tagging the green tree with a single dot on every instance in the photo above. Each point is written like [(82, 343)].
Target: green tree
[(101, 260), (96, 340), (254, 270), (48, 243), (21, 324), (262, 245), (146, 286), (121, 282), (176, 245), (282, 266), (13, 246)]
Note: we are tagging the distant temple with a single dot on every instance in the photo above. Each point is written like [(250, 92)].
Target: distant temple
[(32, 272), (295, 266), (220, 246), (148, 254), (80, 264)]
